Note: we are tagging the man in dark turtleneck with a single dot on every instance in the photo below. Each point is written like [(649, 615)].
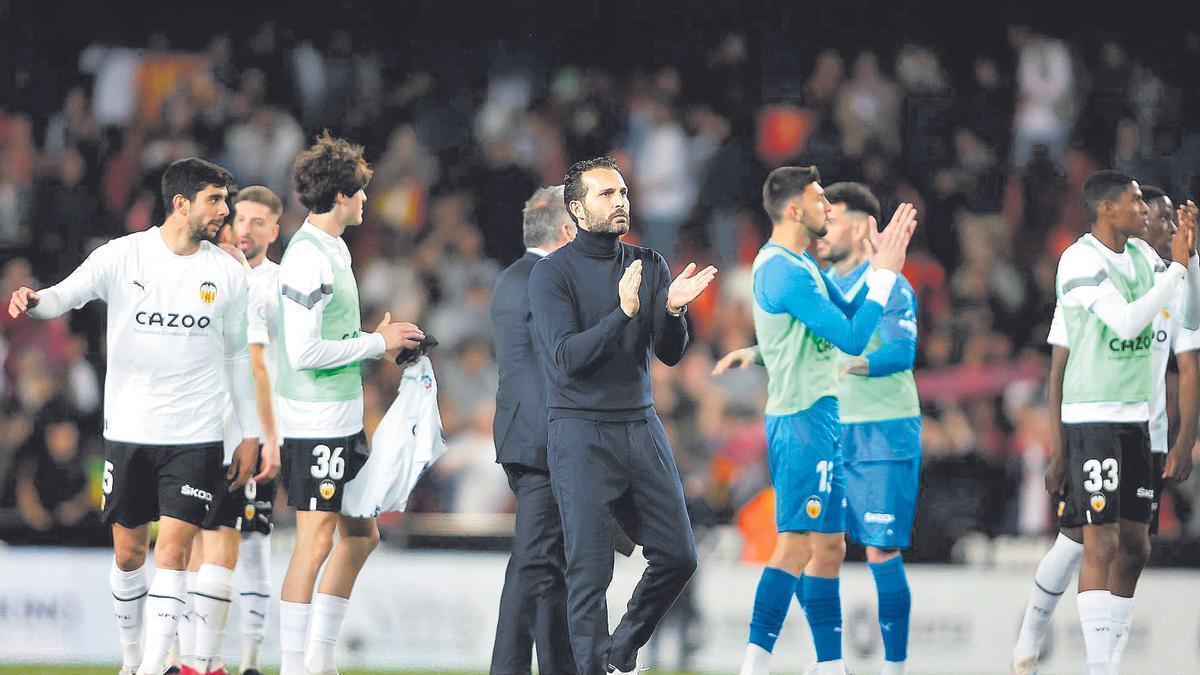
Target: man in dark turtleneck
[(600, 307)]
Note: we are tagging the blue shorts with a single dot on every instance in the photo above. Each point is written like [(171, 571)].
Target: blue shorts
[(804, 453), (883, 467)]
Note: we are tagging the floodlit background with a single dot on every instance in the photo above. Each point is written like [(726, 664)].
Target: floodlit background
[(988, 118)]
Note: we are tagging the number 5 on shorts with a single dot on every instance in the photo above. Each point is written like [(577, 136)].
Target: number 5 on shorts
[(1094, 468), (328, 464)]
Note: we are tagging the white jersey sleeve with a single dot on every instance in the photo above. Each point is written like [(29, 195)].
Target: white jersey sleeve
[(257, 313), (237, 361), (1189, 304), (305, 275), (89, 281), (1058, 330), (1083, 281)]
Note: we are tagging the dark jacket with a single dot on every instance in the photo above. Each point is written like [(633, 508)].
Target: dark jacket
[(519, 428)]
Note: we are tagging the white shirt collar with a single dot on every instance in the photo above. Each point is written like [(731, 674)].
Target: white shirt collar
[(318, 232), (541, 253)]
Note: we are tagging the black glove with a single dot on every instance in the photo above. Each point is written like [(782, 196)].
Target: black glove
[(410, 354)]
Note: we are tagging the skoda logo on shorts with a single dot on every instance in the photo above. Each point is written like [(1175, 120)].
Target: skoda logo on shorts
[(249, 511), (328, 488), (1098, 501), (208, 292), (812, 507)]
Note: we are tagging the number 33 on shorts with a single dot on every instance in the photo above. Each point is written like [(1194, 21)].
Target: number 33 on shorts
[(1101, 474)]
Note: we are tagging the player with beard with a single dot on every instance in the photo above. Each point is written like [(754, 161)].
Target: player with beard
[(176, 343), (239, 522), (879, 413), (600, 309), (320, 401), (800, 316)]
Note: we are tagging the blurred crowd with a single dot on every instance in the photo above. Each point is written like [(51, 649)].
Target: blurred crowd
[(992, 151)]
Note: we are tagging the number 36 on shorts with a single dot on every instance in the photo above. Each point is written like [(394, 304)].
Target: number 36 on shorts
[(328, 463)]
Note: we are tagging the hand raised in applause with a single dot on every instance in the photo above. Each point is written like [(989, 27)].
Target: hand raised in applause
[(627, 289), (688, 286), (891, 245)]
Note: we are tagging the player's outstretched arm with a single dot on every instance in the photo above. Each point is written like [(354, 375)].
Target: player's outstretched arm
[(88, 282), (1081, 283), (778, 289), (742, 358)]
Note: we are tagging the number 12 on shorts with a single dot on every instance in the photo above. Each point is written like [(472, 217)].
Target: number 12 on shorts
[(328, 464), (825, 469), (1101, 474)]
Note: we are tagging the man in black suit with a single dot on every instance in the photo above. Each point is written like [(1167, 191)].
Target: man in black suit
[(533, 604)]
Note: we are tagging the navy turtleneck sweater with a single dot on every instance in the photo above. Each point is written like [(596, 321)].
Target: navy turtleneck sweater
[(597, 359)]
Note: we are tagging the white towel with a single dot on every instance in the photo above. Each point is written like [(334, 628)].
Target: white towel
[(407, 440)]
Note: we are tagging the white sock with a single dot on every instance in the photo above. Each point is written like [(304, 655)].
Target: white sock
[(1122, 618), (213, 598), (164, 604), (187, 625), (1051, 580), (129, 600), (836, 667), (893, 668), (254, 587), (756, 662), (293, 636), (1095, 617), (328, 612)]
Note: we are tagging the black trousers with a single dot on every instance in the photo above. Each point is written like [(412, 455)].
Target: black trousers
[(533, 604), (602, 473)]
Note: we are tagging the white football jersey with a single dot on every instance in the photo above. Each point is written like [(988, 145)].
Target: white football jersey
[(176, 324)]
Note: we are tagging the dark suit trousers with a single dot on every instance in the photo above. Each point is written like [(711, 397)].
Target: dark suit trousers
[(608, 472), (533, 604)]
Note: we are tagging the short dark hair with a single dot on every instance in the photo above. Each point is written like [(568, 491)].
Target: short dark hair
[(856, 197), (573, 188), (260, 195), (332, 166), (1152, 192), (188, 177), (784, 183), (1103, 186)]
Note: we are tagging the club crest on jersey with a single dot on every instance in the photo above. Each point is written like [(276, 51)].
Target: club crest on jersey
[(1098, 501), (249, 511), (327, 489), (812, 507), (1062, 508), (208, 292)]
